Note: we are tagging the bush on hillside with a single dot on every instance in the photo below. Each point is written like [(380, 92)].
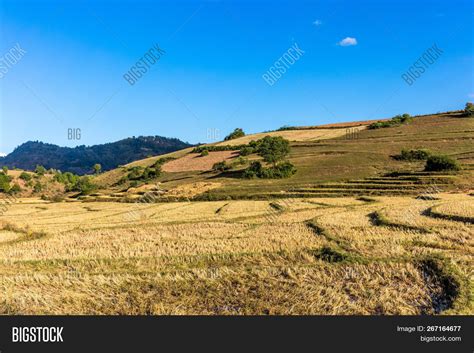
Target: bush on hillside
[(83, 185), (414, 155), (38, 187), (25, 176), (4, 183), (395, 121), (238, 132), (246, 151), (469, 110), (40, 170), (162, 161), (15, 188), (220, 166), (287, 127), (438, 163), (144, 174), (278, 171), (199, 149)]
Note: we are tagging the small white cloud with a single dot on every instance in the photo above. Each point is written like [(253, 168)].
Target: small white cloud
[(348, 41), (2, 154), (318, 23)]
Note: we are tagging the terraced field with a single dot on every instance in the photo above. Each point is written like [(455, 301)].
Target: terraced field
[(314, 255), (332, 162)]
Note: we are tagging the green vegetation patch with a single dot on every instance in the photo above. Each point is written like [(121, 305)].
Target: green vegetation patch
[(238, 132), (421, 154), (395, 121), (440, 163)]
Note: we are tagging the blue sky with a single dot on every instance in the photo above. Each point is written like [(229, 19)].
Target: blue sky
[(209, 81)]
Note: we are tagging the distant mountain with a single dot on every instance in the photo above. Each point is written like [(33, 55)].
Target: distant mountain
[(80, 159)]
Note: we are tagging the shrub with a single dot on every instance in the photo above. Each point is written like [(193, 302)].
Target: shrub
[(83, 185), (469, 110), (150, 173), (40, 170), (395, 121), (5, 169), (287, 127), (38, 187), (4, 183), (204, 153), (135, 173), (246, 151), (254, 170), (279, 171), (143, 174), (239, 161), (162, 161), (25, 176), (68, 179), (238, 132), (199, 149), (437, 163), (414, 155), (134, 183), (15, 188), (220, 166)]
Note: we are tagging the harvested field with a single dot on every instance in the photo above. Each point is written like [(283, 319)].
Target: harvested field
[(293, 135), (194, 161), (286, 256)]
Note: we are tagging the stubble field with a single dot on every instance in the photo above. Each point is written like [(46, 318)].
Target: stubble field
[(380, 255)]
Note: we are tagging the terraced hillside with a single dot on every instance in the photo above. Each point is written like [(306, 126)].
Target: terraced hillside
[(334, 161), (354, 231)]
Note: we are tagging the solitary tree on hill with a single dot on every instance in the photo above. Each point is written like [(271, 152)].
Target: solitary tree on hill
[(97, 168)]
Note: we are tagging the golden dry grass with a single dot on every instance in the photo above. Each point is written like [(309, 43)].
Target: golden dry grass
[(288, 256), (293, 135), (194, 161)]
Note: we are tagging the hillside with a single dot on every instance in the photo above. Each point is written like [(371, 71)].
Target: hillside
[(81, 159), (329, 162), (355, 231)]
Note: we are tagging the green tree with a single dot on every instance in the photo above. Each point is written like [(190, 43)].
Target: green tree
[(40, 170), (83, 185), (4, 183), (273, 149), (25, 176), (38, 187), (469, 110), (15, 188), (5, 169), (97, 168), (238, 132)]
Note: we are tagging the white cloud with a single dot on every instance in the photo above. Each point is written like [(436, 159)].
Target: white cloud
[(348, 41), (2, 154), (318, 23)]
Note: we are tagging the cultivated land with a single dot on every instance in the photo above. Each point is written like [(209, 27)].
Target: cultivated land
[(341, 165), (354, 231), (291, 256)]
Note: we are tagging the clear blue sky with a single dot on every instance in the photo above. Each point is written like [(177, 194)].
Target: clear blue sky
[(216, 53)]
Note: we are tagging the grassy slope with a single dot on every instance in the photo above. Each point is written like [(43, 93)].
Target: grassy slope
[(339, 159)]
